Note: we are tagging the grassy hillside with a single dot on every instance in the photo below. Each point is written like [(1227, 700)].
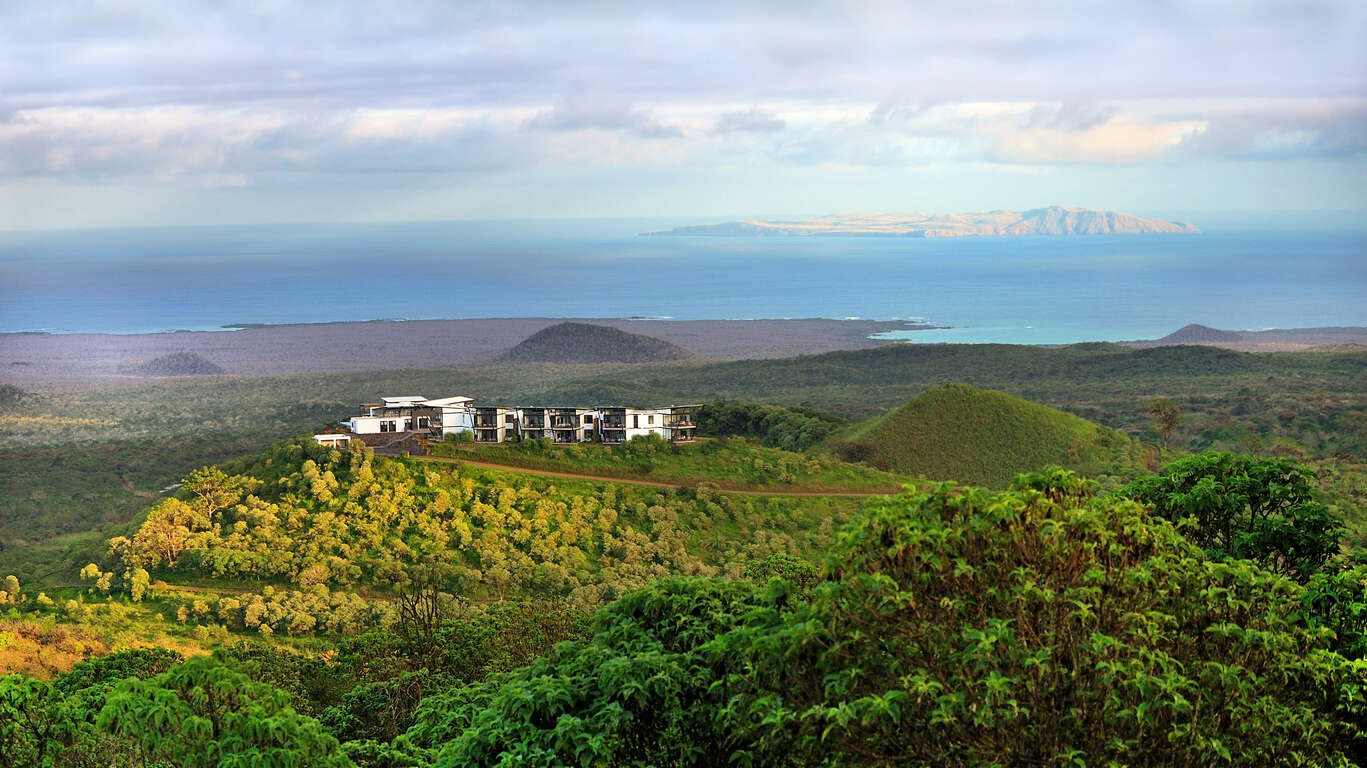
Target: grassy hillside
[(588, 343), (728, 462), (302, 516), (978, 436)]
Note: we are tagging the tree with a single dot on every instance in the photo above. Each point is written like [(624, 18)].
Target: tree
[(138, 582), (201, 714), (213, 489), (1167, 419), (963, 628), (421, 608), (34, 722), (637, 693), (1246, 507)]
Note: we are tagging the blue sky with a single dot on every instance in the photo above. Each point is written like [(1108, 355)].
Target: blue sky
[(149, 113)]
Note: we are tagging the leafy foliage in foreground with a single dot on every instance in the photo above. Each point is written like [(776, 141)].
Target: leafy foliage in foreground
[(1042, 625), (1247, 508), (1039, 626)]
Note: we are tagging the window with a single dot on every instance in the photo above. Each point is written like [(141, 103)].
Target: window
[(508, 418), (408, 425), (650, 419), (635, 421), (386, 426), (588, 419), (423, 422)]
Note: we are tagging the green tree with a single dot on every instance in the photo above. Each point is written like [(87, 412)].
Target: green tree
[(963, 628), (202, 714), (1240, 506), (35, 724), (1167, 419), (1038, 626)]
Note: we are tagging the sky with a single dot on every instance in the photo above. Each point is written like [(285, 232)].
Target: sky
[(191, 113)]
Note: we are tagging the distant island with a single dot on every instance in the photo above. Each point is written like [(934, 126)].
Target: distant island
[(1054, 220)]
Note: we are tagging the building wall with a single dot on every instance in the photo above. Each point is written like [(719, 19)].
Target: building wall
[(454, 420), (370, 425), (644, 422)]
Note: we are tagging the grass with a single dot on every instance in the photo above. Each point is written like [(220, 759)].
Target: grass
[(732, 463), (981, 437)]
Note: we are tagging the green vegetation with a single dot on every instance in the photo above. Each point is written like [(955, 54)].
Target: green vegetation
[(1305, 405), (11, 395), (726, 463), (176, 364), (945, 626), (314, 519), (1241, 507), (587, 343), (402, 612), (792, 429), (986, 438)]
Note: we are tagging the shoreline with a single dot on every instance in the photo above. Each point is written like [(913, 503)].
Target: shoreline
[(907, 323), (270, 350), (29, 359)]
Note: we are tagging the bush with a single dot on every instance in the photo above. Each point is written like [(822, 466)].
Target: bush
[(1037, 626)]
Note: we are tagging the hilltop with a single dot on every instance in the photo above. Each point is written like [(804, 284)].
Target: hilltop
[(175, 364), (1268, 340), (1053, 220), (984, 437), (587, 343), (1196, 333)]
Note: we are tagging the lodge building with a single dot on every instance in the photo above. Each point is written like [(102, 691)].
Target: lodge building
[(419, 417)]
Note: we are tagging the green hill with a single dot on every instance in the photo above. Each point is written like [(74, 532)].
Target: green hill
[(958, 432), (587, 343), (175, 364)]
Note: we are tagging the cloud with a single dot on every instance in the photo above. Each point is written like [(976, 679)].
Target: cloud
[(1335, 129), (230, 147), (1072, 116), (749, 121), (581, 113)]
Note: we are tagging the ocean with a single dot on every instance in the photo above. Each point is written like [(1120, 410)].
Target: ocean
[(1037, 290)]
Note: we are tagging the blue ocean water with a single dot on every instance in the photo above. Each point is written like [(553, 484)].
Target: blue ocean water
[(1008, 289)]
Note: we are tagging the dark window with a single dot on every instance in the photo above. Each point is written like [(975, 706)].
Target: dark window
[(650, 419), (407, 425), (423, 422), (635, 421)]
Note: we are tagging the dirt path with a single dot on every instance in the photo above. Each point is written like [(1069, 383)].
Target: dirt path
[(650, 483)]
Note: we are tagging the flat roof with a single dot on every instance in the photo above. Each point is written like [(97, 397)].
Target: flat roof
[(404, 399), (449, 400)]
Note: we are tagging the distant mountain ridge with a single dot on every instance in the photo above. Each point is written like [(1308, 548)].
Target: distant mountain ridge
[(183, 363), (587, 343), (1053, 220), (1195, 333)]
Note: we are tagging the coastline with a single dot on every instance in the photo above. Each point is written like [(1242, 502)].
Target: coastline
[(268, 350)]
